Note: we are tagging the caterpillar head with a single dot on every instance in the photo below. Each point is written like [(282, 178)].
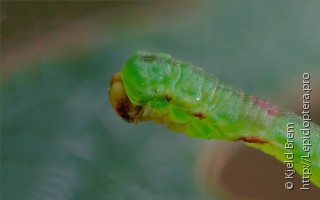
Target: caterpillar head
[(120, 101)]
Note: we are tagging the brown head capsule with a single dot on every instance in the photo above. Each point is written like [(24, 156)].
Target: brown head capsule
[(120, 101)]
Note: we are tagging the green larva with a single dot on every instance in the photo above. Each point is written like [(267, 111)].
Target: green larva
[(157, 87)]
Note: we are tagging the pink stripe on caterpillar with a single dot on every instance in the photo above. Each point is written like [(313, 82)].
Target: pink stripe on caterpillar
[(271, 110)]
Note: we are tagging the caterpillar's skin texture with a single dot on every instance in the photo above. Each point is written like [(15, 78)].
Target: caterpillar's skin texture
[(157, 87)]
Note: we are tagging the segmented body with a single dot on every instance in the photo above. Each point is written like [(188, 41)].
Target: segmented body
[(188, 100)]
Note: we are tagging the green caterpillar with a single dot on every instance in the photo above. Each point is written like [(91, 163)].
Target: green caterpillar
[(156, 87)]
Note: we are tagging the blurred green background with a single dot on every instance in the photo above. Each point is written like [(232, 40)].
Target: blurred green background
[(60, 138)]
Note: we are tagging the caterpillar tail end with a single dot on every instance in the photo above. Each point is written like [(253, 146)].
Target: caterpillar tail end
[(120, 101)]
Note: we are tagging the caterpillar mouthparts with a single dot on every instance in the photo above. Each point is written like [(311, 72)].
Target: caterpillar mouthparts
[(120, 101)]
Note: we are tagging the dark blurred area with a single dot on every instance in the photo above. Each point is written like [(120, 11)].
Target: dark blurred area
[(60, 138)]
